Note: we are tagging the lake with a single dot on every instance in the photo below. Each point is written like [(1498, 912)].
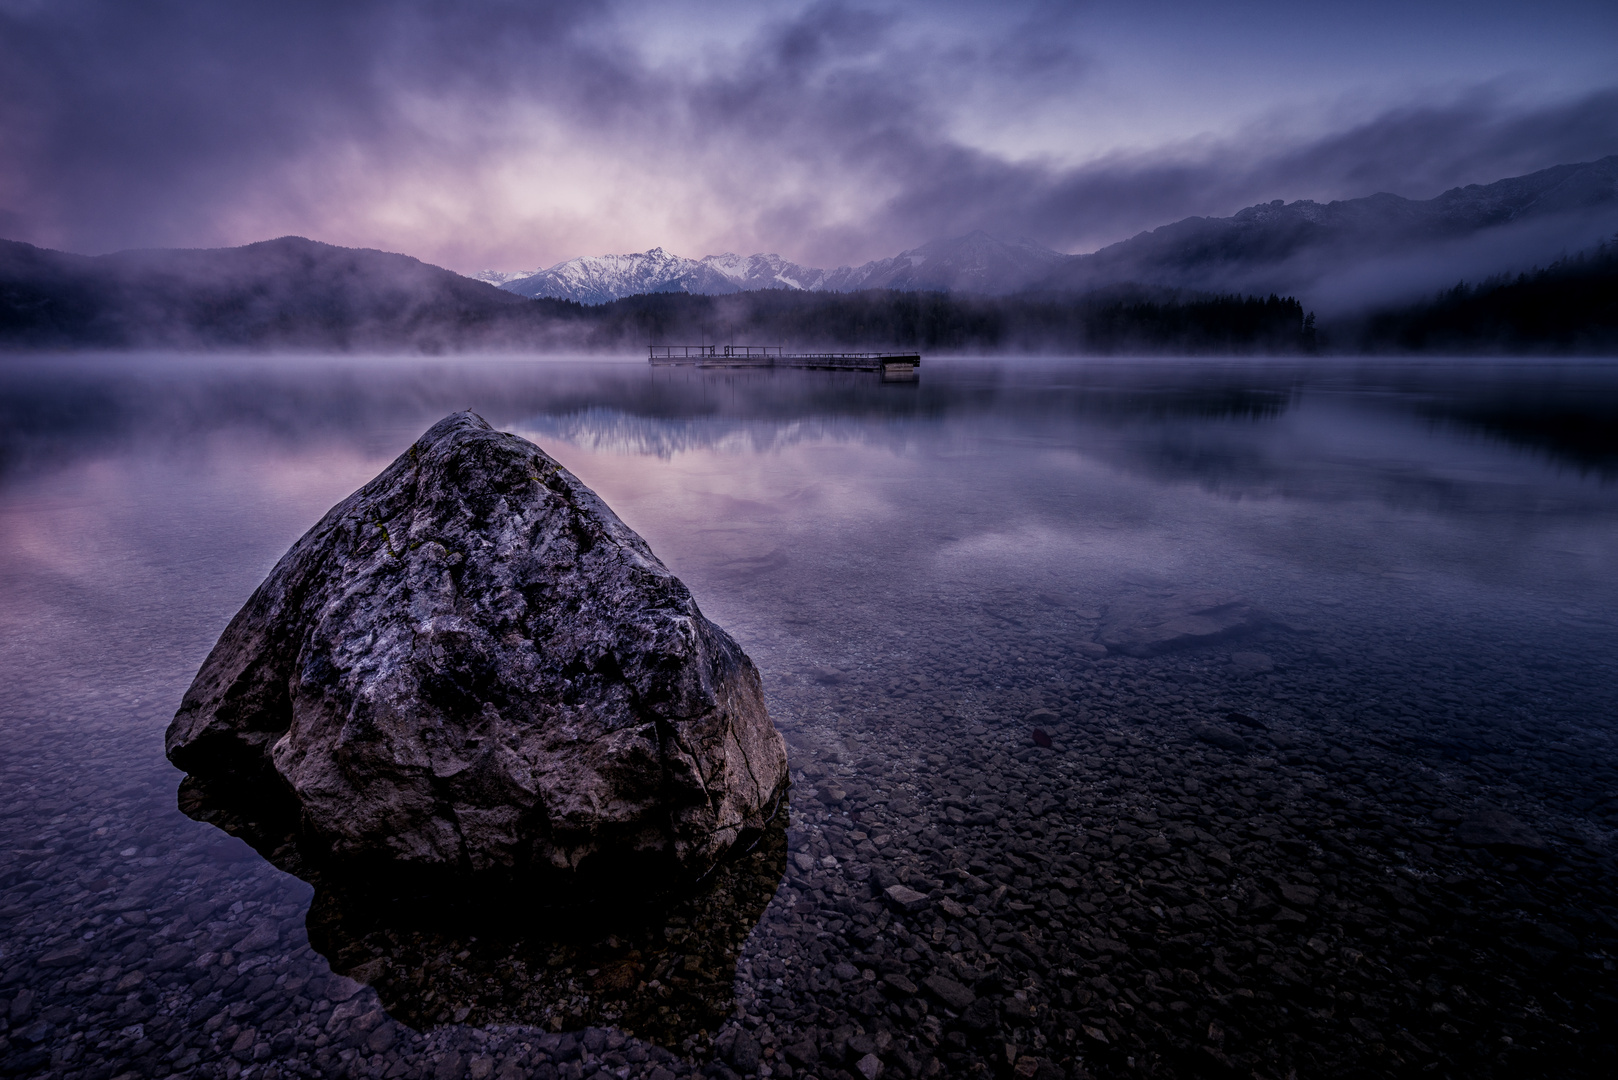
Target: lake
[(1222, 718)]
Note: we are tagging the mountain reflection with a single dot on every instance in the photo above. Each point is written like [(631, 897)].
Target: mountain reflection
[(1582, 435), (666, 432), (1211, 421)]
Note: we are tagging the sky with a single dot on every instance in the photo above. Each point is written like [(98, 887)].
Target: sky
[(513, 134)]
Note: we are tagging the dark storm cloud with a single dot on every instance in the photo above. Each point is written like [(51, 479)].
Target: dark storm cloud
[(801, 96), (127, 123), (826, 135), (1415, 152)]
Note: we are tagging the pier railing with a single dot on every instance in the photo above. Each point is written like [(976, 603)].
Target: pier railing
[(699, 352), (891, 365)]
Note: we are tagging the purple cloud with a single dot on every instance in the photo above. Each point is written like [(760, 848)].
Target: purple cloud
[(517, 134)]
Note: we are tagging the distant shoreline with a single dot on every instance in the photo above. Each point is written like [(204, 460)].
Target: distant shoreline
[(301, 296)]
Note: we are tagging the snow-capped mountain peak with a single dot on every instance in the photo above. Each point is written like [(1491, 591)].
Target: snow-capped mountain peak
[(503, 277), (1273, 246), (976, 262)]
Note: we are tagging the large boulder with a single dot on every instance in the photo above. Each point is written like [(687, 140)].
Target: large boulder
[(471, 665)]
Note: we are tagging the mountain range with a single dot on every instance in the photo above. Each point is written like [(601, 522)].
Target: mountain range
[(293, 294), (288, 292), (1337, 254), (1178, 286), (975, 263)]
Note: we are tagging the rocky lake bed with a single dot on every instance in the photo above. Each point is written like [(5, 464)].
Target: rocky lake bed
[(1112, 756)]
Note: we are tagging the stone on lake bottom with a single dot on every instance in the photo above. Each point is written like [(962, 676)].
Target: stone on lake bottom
[(1225, 740), (899, 985), (949, 992), (981, 1015), (68, 956), (1163, 621), (1555, 935), (905, 898), (744, 1053), (1300, 895), (1496, 828)]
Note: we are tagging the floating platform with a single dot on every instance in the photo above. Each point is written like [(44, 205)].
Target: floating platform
[(892, 366)]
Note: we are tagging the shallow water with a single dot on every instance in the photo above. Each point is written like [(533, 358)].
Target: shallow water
[(1415, 567)]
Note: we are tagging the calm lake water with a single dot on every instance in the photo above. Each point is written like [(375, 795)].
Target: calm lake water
[(1224, 718)]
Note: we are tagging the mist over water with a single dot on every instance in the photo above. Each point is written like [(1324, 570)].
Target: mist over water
[(1427, 553)]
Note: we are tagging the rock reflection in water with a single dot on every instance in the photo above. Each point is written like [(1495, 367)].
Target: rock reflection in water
[(661, 967)]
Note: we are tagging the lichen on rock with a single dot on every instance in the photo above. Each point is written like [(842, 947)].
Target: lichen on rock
[(472, 666)]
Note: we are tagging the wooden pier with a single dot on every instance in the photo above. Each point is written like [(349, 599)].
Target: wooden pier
[(891, 366)]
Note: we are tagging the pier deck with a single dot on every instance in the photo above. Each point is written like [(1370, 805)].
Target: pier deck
[(893, 366)]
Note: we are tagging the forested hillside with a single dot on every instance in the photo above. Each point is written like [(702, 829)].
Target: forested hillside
[(1570, 308), (293, 293)]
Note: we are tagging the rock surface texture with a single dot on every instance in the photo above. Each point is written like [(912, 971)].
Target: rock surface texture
[(471, 664)]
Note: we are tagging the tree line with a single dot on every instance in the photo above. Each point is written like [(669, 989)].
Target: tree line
[(1567, 308), (1118, 322)]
